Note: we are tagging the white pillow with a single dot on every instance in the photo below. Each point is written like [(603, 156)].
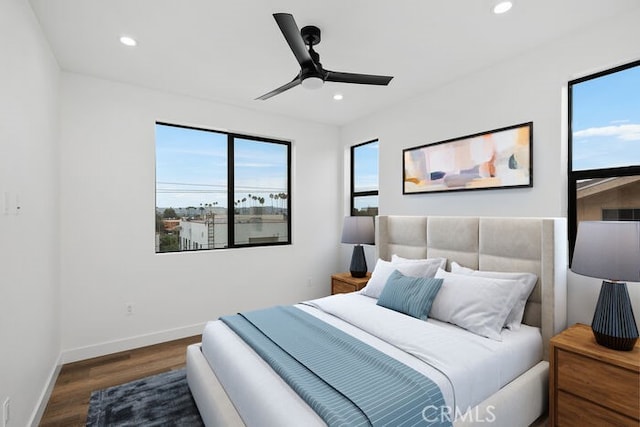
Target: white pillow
[(383, 270), (526, 282), (477, 304), (431, 264)]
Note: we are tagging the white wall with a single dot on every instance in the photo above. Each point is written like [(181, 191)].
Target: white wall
[(107, 222), (29, 287), (83, 244), (531, 87)]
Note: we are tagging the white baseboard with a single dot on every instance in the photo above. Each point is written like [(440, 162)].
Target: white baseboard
[(96, 350), (82, 353), (38, 411)]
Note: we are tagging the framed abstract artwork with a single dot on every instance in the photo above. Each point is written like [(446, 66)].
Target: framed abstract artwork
[(501, 158)]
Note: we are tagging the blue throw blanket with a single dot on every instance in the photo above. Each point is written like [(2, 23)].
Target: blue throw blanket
[(347, 382)]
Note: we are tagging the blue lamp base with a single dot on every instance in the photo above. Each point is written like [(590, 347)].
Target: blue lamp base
[(614, 325)]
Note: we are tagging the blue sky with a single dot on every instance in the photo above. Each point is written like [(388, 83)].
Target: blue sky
[(366, 171), (606, 121), (191, 168)]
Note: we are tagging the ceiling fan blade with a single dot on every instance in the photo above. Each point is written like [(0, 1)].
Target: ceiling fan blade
[(364, 79), (293, 83), (291, 33)]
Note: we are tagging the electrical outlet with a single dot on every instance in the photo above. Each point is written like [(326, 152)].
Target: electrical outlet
[(129, 308), (6, 412), (309, 282)]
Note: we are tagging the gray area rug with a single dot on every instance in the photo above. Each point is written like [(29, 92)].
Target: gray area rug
[(160, 400)]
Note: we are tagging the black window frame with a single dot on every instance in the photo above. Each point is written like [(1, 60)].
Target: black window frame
[(354, 194), (575, 176), (231, 136)]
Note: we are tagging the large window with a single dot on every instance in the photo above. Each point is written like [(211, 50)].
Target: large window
[(364, 179), (219, 190), (604, 147)]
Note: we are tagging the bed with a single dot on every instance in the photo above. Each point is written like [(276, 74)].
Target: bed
[(232, 385)]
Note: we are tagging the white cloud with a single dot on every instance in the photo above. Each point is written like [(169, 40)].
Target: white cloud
[(629, 132)]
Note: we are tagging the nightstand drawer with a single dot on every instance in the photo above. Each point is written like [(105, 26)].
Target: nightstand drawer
[(601, 383), (342, 283), (574, 411), (338, 287)]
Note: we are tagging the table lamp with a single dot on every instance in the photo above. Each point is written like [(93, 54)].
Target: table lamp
[(610, 250), (358, 230)]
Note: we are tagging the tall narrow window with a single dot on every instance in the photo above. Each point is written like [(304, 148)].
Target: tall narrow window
[(604, 147), (217, 190), (364, 179), (261, 188)]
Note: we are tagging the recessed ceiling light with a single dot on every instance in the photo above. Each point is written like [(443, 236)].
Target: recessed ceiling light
[(502, 7), (128, 41), (338, 97)]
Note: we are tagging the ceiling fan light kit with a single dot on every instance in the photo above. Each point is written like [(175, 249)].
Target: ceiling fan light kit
[(312, 75), (312, 83)]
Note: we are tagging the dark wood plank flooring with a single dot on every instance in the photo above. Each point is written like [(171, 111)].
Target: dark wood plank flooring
[(69, 402)]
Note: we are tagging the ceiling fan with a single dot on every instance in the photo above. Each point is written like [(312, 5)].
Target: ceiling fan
[(312, 75)]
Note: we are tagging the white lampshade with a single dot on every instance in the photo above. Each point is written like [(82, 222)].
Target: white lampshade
[(358, 230), (608, 250)]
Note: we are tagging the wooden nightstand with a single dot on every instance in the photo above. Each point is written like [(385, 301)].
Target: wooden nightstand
[(591, 385), (342, 283)]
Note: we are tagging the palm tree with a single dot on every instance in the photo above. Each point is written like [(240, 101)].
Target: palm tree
[(284, 196)]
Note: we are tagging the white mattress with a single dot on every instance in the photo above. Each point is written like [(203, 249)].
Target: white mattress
[(467, 368)]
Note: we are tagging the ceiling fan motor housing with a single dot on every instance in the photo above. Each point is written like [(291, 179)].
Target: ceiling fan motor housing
[(311, 35)]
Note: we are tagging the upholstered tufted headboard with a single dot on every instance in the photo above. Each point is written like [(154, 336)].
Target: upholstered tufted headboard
[(536, 245)]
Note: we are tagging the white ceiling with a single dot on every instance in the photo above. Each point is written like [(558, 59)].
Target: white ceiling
[(233, 51)]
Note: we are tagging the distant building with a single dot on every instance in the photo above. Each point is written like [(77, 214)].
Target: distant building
[(170, 224), (609, 199), (210, 233), (201, 234)]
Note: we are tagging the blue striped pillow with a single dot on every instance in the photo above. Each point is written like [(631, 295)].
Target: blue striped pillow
[(409, 295)]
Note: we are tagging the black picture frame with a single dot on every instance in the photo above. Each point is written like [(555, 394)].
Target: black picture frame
[(497, 159)]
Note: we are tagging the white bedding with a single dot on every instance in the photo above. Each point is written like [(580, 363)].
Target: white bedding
[(468, 368)]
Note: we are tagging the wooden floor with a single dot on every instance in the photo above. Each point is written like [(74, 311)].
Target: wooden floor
[(69, 400)]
